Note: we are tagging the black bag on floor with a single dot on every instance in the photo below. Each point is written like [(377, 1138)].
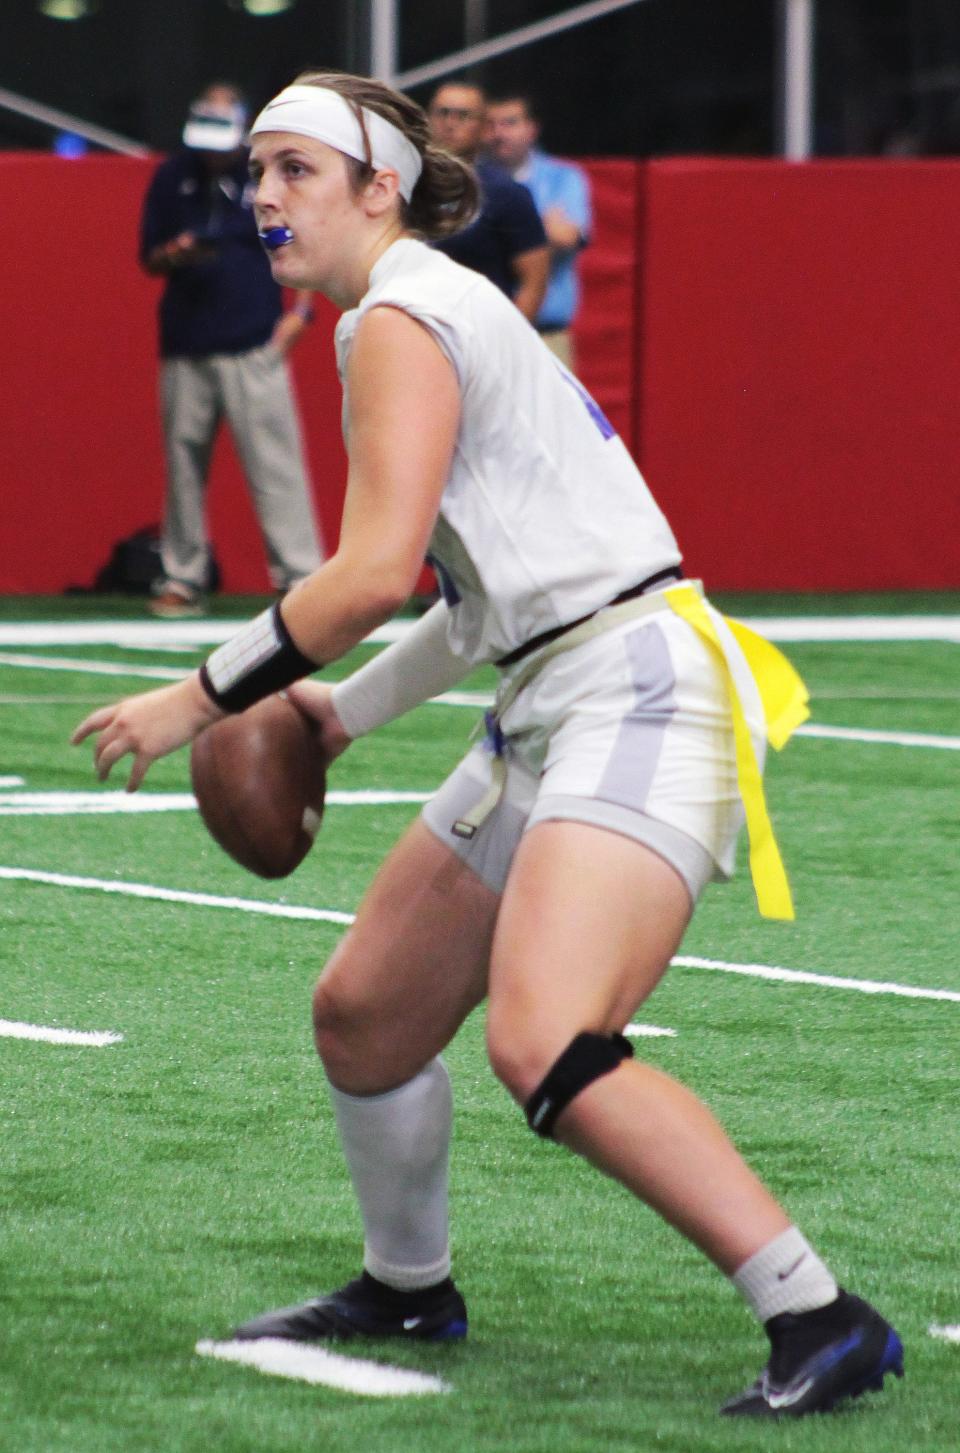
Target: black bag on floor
[(135, 564)]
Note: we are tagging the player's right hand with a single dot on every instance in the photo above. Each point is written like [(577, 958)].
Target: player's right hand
[(315, 700)]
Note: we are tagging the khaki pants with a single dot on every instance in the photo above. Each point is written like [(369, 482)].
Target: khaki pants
[(253, 392), (560, 343)]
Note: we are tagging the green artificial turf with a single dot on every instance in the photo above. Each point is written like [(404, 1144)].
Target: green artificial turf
[(158, 1190)]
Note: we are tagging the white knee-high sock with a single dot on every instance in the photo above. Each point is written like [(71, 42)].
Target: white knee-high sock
[(397, 1146)]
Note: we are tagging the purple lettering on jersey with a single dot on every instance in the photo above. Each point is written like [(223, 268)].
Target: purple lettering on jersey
[(591, 405)]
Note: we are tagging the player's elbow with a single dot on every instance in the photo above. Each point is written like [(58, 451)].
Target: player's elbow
[(380, 583), (386, 592)]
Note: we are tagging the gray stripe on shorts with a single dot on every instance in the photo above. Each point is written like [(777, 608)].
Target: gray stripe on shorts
[(632, 764)]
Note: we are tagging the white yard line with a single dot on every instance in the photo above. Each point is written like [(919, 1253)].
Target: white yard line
[(648, 1031), (11, 782), (327, 915), (826, 981), (315, 1365), (48, 699), (173, 895), (477, 700), (70, 804), (881, 693), (945, 1334), (878, 738), (13, 1029)]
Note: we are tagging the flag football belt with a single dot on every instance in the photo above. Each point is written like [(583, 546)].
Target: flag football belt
[(781, 690)]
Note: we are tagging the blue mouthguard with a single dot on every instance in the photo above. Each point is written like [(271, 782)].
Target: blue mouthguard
[(274, 237)]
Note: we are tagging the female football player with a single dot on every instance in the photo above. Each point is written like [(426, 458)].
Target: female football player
[(555, 872)]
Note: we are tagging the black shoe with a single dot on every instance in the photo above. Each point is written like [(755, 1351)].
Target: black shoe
[(367, 1308), (819, 1358)]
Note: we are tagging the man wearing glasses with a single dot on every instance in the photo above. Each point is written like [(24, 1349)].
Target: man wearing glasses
[(506, 240)]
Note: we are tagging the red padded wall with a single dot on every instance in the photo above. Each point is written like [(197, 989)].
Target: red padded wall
[(82, 463), (798, 398), (777, 344), (607, 328)]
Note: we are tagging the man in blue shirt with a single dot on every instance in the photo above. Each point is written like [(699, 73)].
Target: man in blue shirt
[(505, 241), (224, 338), (561, 192)]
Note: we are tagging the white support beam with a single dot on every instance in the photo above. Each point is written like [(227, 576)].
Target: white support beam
[(798, 98), (512, 40), (474, 21), (63, 121), (383, 40)]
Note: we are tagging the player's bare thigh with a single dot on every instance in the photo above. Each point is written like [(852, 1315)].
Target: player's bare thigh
[(589, 922), (408, 971)]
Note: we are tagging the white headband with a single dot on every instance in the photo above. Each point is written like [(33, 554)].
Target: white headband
[(327, 116)]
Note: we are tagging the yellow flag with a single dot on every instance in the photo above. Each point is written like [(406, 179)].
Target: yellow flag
[(784, 702)]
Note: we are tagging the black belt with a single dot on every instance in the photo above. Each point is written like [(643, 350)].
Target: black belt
[(545, 637)]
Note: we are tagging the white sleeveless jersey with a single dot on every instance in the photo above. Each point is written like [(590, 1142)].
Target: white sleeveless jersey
[(544, 517)]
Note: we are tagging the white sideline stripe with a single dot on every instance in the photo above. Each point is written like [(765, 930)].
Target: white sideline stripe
[(143, 635), (828, 981), (91, 668), (213, 632), (328, 1369), (649, 1031), (879, 738), (12, 782), (12, 1029), (856, 628), (945, 1334), (172, 895), (329, 915), (70, 804)]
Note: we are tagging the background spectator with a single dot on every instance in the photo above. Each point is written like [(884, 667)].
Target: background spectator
[(562, 195), (223, 343), (505, 241)]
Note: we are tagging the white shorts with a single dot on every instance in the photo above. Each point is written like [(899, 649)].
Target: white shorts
[(631, 731)]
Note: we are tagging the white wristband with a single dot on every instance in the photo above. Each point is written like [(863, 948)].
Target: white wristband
[(409, 672)]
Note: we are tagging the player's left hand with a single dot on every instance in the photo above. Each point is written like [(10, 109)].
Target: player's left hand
[(147, 726)]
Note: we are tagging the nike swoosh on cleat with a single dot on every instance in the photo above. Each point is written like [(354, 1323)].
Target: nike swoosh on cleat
[(410, 1322), (787, 1399)]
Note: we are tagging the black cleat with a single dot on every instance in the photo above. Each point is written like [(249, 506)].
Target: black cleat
[(820, 1358), (367, 1308)]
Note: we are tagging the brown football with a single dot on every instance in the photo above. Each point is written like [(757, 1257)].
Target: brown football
[(259, 782)]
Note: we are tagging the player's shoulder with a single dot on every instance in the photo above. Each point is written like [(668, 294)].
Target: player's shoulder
[(413, 275)]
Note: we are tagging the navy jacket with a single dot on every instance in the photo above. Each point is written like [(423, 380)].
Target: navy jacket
[(231, 303), (508, 223)]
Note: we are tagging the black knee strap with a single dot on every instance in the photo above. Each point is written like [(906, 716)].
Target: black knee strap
[(585, 1059)]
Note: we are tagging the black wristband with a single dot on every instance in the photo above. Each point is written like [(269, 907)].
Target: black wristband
[(258, 661)]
